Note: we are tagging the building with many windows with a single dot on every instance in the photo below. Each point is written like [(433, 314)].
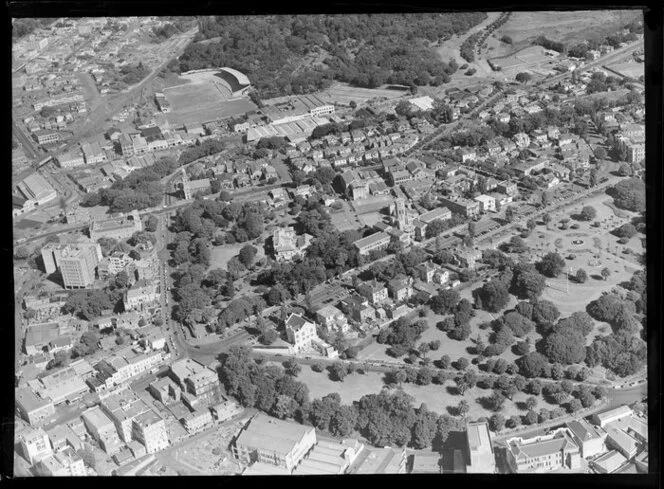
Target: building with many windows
[(35, 445), (196, 379), (300, 332), (149, 428), (66, 463), (31, 407), (543, 453), (377, 241), (274, 442), (117, 228), (464, 207)]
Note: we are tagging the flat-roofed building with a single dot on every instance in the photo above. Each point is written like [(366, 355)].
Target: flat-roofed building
[(262, 468), (377, 241), (482, 459), (197, 379), (77, 265), (102, 429), (273, 441), (609, 462), (380, 461), (165, 390), (543, 453), (332, 318), (66, 463), (31, 407), (149, 428), (591, 440), (487, 203), (60, 386), (35, 188), (62, 436), (197, 420), (35, 445), (425, 463), (117, 228), (122, 407), (464, 207)]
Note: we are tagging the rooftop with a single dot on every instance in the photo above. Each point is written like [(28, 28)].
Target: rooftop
[(30, 401), (272, 434)]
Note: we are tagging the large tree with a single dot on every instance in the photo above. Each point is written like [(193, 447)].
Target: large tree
[(551, 264)]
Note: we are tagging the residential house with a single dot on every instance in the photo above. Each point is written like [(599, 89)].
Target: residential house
[(332, 318), (300, 332), (401, 288), (467, 257), (487, 203), (374, 291)]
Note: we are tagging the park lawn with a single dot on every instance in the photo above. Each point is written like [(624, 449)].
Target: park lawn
[(221, 255), (351, 389)]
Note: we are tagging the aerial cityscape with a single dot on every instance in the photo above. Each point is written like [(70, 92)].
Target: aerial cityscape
[(330, 244)]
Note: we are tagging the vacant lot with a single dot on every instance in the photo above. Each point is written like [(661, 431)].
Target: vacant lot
[(344, 94), (631, 69), (570, 26)]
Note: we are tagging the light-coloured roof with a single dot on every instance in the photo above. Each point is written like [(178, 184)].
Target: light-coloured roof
[(610, 461), (618, 412), (373, 239), (622, 439), (30, 401), (272, 434), (479, 438), (583, 430), (240, 77)]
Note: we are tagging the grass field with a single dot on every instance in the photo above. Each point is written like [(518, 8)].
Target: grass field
[(202, 99), (441, 399), (567, 26), (631, 69), (344, 94)]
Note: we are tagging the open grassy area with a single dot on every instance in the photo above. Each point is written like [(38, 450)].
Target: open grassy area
[(351, 389), (220, 255), (343, 94)]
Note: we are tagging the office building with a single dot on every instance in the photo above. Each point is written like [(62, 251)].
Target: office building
[(35, 445), (272, 441), (481, 457), (150, 429), (117, 228), (198, 380)]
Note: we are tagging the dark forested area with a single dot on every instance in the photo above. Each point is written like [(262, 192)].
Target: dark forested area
[(275, 52)]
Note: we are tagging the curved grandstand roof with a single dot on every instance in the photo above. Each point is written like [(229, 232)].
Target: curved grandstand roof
[(240, 77)]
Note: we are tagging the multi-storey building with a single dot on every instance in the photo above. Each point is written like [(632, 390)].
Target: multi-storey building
[(122, 407), (465, 207), (140, 295), (480, 449), (77, 265), (273, 441), (198, 380), (377, 241), (375, 291), (543, 453), (66, 463), (35, 445), (125, 364), (117, 228), (300, 332), (31, 407), (422, 222), (149, 429)]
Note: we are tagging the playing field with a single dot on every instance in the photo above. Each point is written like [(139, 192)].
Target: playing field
[(531, 57), (190, 95), (203, 98)]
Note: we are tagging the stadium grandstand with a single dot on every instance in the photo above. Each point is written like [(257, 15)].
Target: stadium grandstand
[(237, 82)]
